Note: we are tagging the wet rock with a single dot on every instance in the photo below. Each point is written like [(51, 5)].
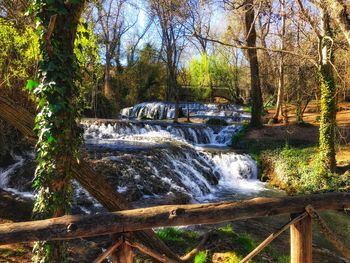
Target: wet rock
[(22, 176), (6, 159), (14, 207)]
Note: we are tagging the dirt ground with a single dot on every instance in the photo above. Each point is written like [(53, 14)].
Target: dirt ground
[(308, 133)]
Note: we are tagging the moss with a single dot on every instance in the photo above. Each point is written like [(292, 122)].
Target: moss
[(327, 121)]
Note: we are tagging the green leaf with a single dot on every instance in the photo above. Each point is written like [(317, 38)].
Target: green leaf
[(31, 84), (51, 139)]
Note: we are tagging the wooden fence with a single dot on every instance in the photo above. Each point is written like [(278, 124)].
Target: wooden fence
[(302, 209)]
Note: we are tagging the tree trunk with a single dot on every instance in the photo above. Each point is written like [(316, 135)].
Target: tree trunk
[(174, 88), (280, 93), (341, 14), (107, 86), (255, 93), (299, 111), (328, 115), (328, 98), (56, 121)]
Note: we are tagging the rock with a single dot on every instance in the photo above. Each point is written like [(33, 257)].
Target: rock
[(23, 176), (15, 208), (6, 159)]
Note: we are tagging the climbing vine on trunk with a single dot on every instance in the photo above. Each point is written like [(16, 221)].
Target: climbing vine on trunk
[(56, 96)]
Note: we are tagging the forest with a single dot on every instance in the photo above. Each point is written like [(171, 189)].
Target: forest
[(110, 105)]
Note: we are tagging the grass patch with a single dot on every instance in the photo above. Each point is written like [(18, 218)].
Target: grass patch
[(224, 245), (201, 257), (247, 242), (177, 235)]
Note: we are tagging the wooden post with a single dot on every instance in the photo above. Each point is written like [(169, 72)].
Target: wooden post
[(301, 240), (124, 254)]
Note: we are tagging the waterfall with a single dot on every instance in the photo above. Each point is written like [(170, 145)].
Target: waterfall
[(157, 131), (152, 158), (178, 170), (166, 110), (166, 162), (14, 178)]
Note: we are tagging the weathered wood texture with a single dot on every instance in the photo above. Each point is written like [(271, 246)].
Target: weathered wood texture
[(70, 227), (272, 237), (108, 251), (301, 241), (96, 184)]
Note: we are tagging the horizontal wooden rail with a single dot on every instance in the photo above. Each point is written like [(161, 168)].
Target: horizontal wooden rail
[(70, 227)]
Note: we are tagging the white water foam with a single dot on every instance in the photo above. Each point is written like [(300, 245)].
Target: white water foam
[(140, 132), (166, 110)]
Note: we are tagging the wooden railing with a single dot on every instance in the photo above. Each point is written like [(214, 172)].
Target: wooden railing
[(302, 208)]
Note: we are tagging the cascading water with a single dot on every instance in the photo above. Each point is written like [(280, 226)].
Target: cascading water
[(152, 159), (153, 132), (14, 178), (166, 110)]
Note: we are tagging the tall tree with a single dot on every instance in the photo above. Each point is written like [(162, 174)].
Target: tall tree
[(256, 96), (170, 16), (200, 15), (56, 121), (340, 12), (280, 93), (113, 25), (323, 31)]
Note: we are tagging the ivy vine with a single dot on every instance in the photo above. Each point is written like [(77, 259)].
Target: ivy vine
[(56, 92)]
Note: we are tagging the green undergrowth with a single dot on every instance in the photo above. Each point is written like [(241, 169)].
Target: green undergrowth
[(292, 165), (223, 245), (300, 171)]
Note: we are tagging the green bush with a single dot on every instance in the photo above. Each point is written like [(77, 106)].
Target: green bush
[(215, 121)]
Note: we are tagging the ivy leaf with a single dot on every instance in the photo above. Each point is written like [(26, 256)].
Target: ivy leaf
[(31, 84), (51, 139)]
